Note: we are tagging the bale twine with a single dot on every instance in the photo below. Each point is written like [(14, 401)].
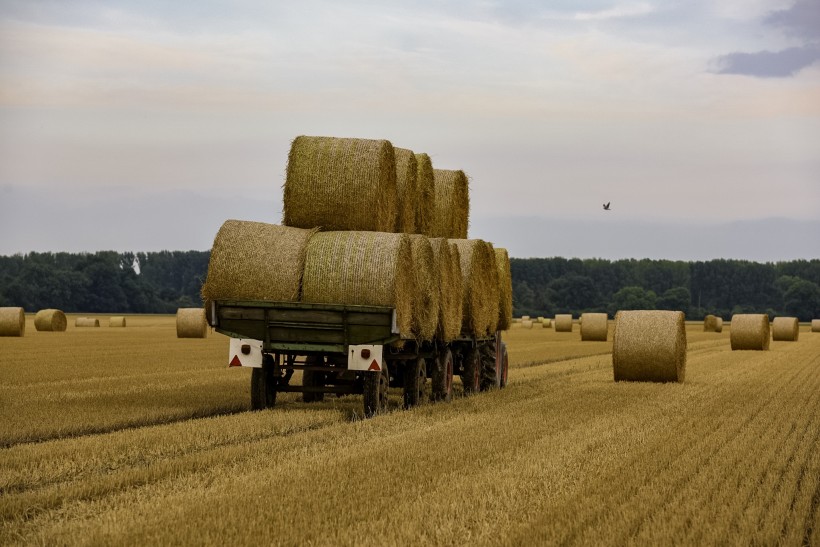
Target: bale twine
[(594, 327), (362, 268), (12, 321), (427, 282), (502, 262), (425, 190), (718, 324), (407, 197), (750, 331), (649, 346), (116, 321), (86, 322), (563, 322), (709, 323), (50, 320), (446, 257), (815, 325), (341, 184), (785, 329), (256, 261), (479, 276), (527, 323), (191, 323), (451, 205)]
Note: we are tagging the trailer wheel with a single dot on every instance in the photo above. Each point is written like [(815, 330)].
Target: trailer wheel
[(505, 366), (471, 377), (376, 385), (263, 385), (416, 391), (443, 377), (312, 378), (490, 366)]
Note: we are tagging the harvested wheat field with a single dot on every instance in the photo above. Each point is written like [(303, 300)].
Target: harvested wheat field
[(133, 436)]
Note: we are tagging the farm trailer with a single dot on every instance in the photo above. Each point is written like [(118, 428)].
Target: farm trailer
[(346, 349)]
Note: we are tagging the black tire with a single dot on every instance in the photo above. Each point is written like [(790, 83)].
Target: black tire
[(442, 389), (312, 378), (471, 376), (490, 366), (416, 389), (263, 385), (505, 366), (376, 385)]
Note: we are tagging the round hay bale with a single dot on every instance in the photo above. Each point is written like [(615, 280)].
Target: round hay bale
[(362, 268), (718, 324), (191, 323), (750, 331), (479, 276), (594, 327), (527, 323), (502, 262), (562, 322), (86, 322), (525, 317), (50, 320), (709, 323), (546, 323), (515, 320), (451, 205), (815, 325), (116, 321), (539, 319), (785, 329), (426, 269), (12, 321), (516, 325), (425, 190), (256, 261), (649, 346), (406, 190), (341, 184), (446, 258)]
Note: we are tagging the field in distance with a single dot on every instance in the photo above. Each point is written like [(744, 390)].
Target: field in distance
[(132, 436)]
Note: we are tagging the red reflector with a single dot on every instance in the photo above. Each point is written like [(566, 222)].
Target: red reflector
[(365, 353), (235, 362), (374, 365)]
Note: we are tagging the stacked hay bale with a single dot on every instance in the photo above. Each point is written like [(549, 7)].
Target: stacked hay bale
[(117, 321), (594, 327), (425, 188), (50, 320), (427, 286), (649, 346), (86, 322), (479, 275), (448, 260), (12, 321), (502, 262), (815, 325), (563, 322), (407, 195), (451, 205), (785, 329), (750, 331), (191, 323)]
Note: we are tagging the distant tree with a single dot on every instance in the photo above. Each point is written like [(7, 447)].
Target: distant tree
[(572, 293), (802, 300), (633, 298), (676, 299)]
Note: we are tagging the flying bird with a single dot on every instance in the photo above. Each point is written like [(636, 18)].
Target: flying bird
[(606, 206)]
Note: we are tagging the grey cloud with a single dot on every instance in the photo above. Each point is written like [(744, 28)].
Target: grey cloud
[(802, 20), (768, 64)]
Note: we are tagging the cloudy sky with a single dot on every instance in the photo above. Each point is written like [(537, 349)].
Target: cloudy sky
[(143, 125)]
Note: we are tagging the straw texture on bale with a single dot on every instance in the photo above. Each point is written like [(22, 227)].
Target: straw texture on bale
[(815, 325), (562, 322), (710, 323), (12, 321), (649, 346), (426, 193), (446, 258), (527, 323), (594, 327), (718, 324), (406, 190), (750, 331), (426, 270), (191, 323), (116, 321), (785, 329), (502, 262), (479, 276), (86, 322), (362, 268), (341, 184), (256, 261), (451, 205), (50, 320)]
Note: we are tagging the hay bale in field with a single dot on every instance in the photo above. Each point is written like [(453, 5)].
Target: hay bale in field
[(341, 184), (750, 331), (426, 194), (527, 323), (502, 262), (718, 324), (539, 319), (515, 320), (446, 257), (12, 321), (191, 323), (256, 261), (785, 329), (562, 322), (451, 205), (516, 325), (525, 317), (363, 268), (649, 346), (50, 320), (427, 282), (86, 322), (815, 325), (709, 323), (479, 276), (116, 321), (594, 327), (406, 190), (546, 323)]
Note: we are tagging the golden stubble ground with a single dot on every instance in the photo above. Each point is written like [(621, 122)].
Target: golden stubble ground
[(132, 436)]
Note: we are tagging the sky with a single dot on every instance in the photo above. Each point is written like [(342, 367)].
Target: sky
[(142, 126)]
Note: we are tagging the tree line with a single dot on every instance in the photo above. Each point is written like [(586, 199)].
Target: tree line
[(161, 282)]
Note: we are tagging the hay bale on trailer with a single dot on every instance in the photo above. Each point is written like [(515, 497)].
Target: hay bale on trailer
[(50, 320), (427, 282), (191, 323), (426, 194), (362, 268), (341, 184), (87, 322), (479, 276), (815, 325), (750, 331), (649, 346), (447, 259), (502, 262), (563, 322), (407, 198), (594, 327), (12, 321), (117, 321), (785, 329), (451, 205)]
